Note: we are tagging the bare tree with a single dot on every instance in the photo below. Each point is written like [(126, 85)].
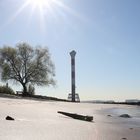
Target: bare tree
[(26, 64)]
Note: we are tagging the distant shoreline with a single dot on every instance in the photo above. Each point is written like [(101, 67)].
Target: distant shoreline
[(48, 98), (121, 103), (124, 103)]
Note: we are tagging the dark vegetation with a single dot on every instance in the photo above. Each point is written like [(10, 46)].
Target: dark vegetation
[(6, 90)]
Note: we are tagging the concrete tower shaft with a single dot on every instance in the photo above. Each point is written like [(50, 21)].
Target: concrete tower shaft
[(72, 54)]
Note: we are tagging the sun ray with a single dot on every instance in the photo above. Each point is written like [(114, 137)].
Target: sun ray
[(49, 6), (15, 15), (66, 8), (40, 4), (46, 9)]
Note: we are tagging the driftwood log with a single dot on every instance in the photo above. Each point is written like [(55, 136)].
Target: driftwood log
[(77, 116)]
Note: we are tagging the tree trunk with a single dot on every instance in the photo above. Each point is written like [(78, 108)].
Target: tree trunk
[(25, 93)]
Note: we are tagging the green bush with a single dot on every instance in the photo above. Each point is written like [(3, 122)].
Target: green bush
[(31, 90), (6, 90)]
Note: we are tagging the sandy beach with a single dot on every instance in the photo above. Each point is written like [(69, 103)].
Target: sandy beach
[(39, 120)]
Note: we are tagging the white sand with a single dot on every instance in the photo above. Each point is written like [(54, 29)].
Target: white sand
[(39, 120)]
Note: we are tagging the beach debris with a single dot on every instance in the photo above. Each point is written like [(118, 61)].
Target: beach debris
[(125, 116), (9, 118), (131, 128), (77, 116), (124, 138)]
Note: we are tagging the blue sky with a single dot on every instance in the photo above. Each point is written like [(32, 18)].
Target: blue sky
[(104, 33)]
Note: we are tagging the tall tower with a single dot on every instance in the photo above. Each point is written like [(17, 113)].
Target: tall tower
[(72, 54)]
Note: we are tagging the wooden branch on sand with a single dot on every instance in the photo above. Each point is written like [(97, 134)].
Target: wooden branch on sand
[(77, 116)]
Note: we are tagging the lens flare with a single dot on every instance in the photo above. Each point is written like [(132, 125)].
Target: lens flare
[(39, 3), (44, 9)]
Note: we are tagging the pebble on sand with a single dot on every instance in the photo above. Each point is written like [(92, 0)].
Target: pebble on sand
[(9, 118), (125, 116)]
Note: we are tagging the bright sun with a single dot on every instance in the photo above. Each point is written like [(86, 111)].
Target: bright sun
[(43, 9)]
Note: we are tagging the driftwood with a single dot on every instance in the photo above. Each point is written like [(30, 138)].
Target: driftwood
[(77, 116)]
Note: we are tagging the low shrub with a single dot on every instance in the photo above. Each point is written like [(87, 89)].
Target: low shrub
[(31, 90), (6, 90)]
